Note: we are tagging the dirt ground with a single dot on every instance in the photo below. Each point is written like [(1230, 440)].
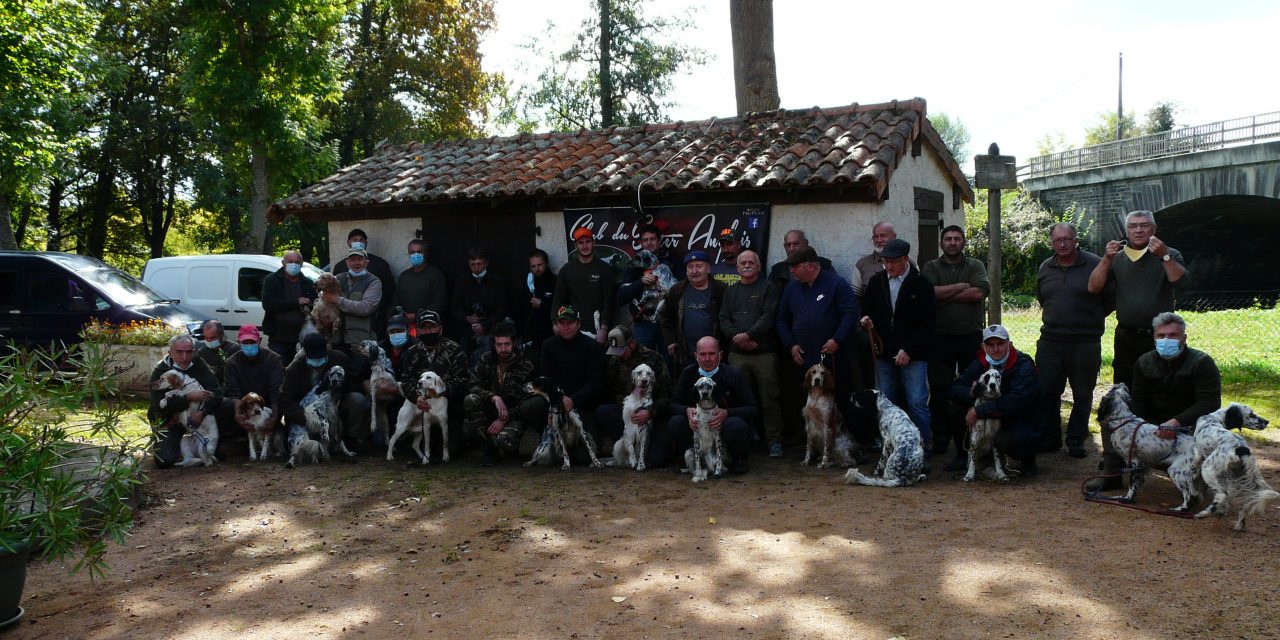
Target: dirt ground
[(374, 549)]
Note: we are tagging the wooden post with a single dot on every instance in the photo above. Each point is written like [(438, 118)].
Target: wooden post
[(994, 172)]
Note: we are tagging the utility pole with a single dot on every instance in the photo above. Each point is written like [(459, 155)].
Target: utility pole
[(1120, 102)]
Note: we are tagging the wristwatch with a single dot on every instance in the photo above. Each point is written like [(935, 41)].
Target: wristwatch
[(1166, 257)]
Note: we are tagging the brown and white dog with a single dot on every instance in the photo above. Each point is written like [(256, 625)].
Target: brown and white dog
[(259, 424), (433, 389), (201, 441), (326, 316), (822, 420)]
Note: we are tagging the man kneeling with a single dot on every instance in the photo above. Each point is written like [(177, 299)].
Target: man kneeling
[(736, 408)]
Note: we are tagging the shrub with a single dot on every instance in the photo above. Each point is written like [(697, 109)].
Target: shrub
[(1024, 236), (153, 332)]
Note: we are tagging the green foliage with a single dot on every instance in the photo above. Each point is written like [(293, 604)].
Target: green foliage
[(1160, 118), (1024, 236), (954, 134), (1104, 130)]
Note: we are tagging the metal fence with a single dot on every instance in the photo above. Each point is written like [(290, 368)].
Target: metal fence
[(1234, 132)]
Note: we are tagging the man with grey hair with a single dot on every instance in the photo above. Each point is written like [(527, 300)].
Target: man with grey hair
[(1146, 272), (1070, 345), (793, 241), (168, 430), (871, 264), (286, 297)]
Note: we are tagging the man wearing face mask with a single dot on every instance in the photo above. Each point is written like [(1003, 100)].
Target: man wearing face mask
[(359, 299), (286, 294), (216, 349), (434, 352), (479, 302), (735, 411), (496, 391), (1174, 384), (251, 370), (1018, 406), (421, 286), (357, 239), (182, 357), (302, 375)]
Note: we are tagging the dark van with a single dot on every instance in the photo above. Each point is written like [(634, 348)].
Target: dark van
[(47, 296)]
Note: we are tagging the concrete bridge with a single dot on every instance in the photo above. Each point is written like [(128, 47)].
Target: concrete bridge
[(1215, 190)]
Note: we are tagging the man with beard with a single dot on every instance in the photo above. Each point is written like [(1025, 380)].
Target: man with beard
[(496, 391)]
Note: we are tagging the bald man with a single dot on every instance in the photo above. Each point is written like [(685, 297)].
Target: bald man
[(284, 294), (793, 241), (871, 264)]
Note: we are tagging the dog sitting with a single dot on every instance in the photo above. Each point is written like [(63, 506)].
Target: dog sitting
[(707, 445), (1228, 466), (1135, 440), (902, 458), (823, 424), (326, 316), (433, 389), (320, 406), (259, 424), (564, 429), (380, 375), (631, 449), (200, 442), (982, 436), (304, 450)]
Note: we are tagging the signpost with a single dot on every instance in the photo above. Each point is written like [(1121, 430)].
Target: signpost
[(994, 172)]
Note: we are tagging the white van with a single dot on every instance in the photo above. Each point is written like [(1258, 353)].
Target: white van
[(227, 288)]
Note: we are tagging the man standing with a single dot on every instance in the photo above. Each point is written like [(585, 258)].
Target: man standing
[(960, 286), (726, 270), (586, 284), (622, 357), (735, 411), (541, 283), (1018, 406), (286, 294), (793, 241), (1146, 273), (642, 284), (748, 319), (496, 391), (358, 300), (434, 352), (1070, 346), (168, 430), (479, 302), (692, 309), (872, 263), (792, 394), (421, 286), (357, 239)]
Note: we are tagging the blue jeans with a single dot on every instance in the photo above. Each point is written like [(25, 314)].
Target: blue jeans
[(911, 381)]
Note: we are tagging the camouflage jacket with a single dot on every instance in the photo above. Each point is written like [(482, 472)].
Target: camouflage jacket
[(447, 360), (620, 375), (493, 378)]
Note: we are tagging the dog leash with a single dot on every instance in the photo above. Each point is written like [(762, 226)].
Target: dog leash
[(1094, 497)]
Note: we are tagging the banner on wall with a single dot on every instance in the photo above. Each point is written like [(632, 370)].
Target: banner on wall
[(684, 229)]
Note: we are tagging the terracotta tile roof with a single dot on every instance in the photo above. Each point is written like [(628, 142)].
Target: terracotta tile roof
[(858, 145)]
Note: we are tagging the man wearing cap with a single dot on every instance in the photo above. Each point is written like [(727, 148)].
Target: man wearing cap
[(163, 420), (735, 410), (586, 284), (899, 307), (479, 302), (726, 270), (692, 308), (357, 239), (421, 286), (817, 318), (959, 286), (792, 395), (252, 369), (497, 391), (748, 318), (286, 294), (643, 288), (434, 352), (1018, 406), (358, 300), (302, 375), (622, 357)]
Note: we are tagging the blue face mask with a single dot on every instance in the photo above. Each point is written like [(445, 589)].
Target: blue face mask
[(359, 246), (998, 363), (293, 268), (708, 374), (416, 259), (249, 350), (1168, 347), (359, 273), (398, 339), (317, 362), (212, 344)]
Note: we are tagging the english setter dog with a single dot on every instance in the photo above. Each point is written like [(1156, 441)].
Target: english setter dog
[(823, 424), (304, 450), (1135, 440), (563, 431), (649, 304), (320, 406), (260, 423), (200, 442), (707, 445), (982, 436), (902, 458), (380, 367), (630, 450), (325, 316), (1228, 466), (433, 389)]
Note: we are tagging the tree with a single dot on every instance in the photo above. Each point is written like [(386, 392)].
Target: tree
[(1104, 130), (755, 72), (954, 134), (619, 71), (1160, 117)]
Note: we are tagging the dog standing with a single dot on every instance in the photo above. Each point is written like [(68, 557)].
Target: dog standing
[(982, 436), (631, 449), (432, 387), (823, 423), (1135, 440), (707, 445), (200, 442), (1228, 466), (259, 424), (902, 458), (564, 429)]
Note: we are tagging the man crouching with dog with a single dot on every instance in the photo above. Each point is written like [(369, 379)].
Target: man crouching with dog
[(732, 417), (1018, 408), (496, 390)]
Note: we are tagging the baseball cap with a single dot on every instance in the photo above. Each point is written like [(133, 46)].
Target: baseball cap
[(357, 252), (314, 346), (581, 232), (802, 255), (619, 338), (895, 248), (696, 255), (727, 235), (249, 332), (566, 313), (397, 319), (427, 316), (995, 331)]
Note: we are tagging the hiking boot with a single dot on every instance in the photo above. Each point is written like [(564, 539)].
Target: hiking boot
[(489, 456), (738, 467), (1100, 484), (775, 450), (1029, 469)]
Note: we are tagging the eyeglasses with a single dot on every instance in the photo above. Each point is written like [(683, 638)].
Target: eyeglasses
[(1063, 240), (1139, 225)]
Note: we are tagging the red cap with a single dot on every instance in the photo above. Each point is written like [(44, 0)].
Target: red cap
[(249, 331), (581, 232)]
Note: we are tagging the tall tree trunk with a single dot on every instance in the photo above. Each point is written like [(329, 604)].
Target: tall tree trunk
[(24, 217), (57, 188), (102, 198), (607, 116), (259, 199), (755, 73), (6, 224)]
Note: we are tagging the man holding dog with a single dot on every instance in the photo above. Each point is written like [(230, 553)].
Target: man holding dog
[(286, 295), (1018, 407), (735, 411), (496, 390), (359, 299), (302, 375), (182, 357), (622, 357), (252, 369), (434, 352)]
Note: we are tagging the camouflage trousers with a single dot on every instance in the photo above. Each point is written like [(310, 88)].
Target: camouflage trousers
[(481, 412)]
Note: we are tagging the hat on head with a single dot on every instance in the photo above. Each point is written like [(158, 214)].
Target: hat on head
[(619, 337), (357, 232), (802, 255), (249, 332), (581, 232), (995, 331), (428, 316), (727, 235), (566, 313), (895, 248), (397, 319), (357, 252), (696, 255), (314, 346)]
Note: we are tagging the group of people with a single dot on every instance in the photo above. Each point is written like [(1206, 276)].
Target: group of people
[(916, 332)]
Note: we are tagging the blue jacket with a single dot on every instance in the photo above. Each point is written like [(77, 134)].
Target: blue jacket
[(1018, 406), (811, 314)]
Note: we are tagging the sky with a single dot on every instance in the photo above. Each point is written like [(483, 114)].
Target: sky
[(1011, 71)]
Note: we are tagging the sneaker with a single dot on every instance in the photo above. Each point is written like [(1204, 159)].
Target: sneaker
[(775, 450), (1076, 451), (959, 463)]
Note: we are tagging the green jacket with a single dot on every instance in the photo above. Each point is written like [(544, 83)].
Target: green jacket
[(447, 360), (620, 376), (514, 375), (1185, 388)]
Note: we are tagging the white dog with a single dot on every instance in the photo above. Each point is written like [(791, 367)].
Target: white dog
[(1135, 440), (982, 437), (260, 423), (201, 441), (902, 458), (1228, 466), (630, 451), (433, 389), (707, 445)]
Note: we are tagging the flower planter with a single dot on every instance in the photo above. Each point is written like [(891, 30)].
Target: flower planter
[(13, 576), (132, 365)]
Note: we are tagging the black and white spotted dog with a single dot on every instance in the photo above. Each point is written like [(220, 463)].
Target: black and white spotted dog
[(1228, 466), (304, 450), (630, 450), (320, 406), (564, 429), (380, 374), (707, 446), (902, 458), (982, 436), (1135, 440)]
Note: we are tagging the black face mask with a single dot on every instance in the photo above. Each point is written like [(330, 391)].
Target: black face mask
[(429, 339)]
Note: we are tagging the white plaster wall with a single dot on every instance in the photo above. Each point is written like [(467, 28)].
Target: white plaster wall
[(388, 238), (552, 239)]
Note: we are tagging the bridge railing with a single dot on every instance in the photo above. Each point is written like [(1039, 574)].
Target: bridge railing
[(1237, 131)]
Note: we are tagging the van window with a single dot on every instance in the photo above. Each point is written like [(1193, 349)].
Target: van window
[(8, 288), (53, 291), (249, 284), (209, 283)]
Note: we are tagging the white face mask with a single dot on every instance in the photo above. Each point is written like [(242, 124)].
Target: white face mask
[(359, 246)]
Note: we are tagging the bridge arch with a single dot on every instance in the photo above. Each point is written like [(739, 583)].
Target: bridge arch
[(1229, 243)]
